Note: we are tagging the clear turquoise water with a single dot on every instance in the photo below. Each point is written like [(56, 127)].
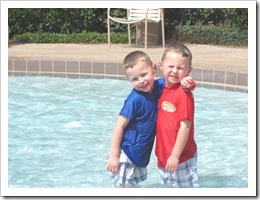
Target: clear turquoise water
[(59, 133)]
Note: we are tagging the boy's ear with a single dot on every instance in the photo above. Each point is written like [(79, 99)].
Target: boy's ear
[(154, 68), (190, 69)]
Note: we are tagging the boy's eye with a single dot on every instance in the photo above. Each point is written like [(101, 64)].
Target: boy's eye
[(143, 75), (180, 68)]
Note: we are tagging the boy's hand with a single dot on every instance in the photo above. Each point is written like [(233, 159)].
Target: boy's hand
[(172, 164), (188, 83), (113, 164)]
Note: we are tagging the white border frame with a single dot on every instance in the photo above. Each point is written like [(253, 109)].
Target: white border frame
[(250, 191)]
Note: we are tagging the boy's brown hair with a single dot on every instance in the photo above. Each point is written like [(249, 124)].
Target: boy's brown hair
[(134, 57), (179, 49)]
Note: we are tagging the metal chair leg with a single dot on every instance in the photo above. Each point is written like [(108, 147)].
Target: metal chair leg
[(129, 35), (108, 31)]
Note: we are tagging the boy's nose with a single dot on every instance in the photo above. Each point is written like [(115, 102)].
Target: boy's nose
[(141, 80), (174, 70)]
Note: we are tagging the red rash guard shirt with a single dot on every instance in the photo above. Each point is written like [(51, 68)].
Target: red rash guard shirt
[(175, 105)]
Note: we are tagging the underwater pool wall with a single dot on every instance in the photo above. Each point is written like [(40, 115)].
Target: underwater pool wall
[(212, 79)]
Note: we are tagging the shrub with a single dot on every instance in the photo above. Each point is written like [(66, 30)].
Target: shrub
[(223, 26), (216, 35), (85, 37), (199, 34)]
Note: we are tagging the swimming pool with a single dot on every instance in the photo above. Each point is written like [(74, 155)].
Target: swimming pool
[(59, 133)]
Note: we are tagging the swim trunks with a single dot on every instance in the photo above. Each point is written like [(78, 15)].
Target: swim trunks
[(128, 174), (186, 175)]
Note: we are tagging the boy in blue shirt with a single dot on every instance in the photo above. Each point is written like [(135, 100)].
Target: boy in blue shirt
[(134, 131)]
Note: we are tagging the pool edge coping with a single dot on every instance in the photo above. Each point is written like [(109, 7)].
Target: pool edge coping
[(212, 79)]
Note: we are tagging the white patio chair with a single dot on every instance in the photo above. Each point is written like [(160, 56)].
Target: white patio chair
[(135, 15)]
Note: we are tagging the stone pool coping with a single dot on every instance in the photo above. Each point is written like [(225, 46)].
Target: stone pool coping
[(213, 79)]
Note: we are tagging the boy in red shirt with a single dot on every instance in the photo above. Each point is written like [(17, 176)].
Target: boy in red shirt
[(134, 132), (176, 148)]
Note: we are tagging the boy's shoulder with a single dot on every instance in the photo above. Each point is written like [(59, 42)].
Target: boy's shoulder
[(135, 95), (184, 92), (158, 87), (160, 80)]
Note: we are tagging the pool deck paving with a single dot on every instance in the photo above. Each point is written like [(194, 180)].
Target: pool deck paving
[(219, 58)]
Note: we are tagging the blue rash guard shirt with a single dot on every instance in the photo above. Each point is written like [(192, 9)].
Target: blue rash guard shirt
[(141, 109)]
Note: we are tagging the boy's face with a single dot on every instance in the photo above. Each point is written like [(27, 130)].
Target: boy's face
[(142, 76), (174, 68)]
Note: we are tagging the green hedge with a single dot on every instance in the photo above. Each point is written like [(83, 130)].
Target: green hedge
[(216, 35), (85, 37), (88, 24), (198, 34), (59, 20)]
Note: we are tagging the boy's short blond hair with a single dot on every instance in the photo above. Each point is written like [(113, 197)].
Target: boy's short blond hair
[(179, 49), (134, 57)]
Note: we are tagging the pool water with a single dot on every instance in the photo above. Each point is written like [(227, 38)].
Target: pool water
[(59, 133)]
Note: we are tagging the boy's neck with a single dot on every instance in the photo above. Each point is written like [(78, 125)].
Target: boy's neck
[(170, 85)]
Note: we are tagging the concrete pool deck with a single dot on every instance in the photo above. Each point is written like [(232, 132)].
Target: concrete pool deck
[(204, 56), (213, 66)]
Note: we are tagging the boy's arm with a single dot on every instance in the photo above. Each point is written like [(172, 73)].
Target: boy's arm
[(188, 83), (182, 137), (117, 136)]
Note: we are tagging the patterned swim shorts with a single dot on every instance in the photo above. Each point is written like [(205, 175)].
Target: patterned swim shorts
[(186, 175), (128, 174)]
